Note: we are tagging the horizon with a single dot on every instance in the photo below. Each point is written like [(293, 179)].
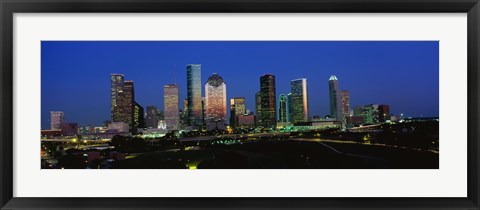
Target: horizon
[(392, 62)]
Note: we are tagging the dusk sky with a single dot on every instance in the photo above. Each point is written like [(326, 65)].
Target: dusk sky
[(76, 74)]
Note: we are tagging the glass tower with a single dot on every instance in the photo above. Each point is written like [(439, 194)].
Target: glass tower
[(194, 94), (298, 101), (268, 105), (282, 110)]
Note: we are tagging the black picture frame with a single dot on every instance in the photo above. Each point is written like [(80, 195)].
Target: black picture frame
[(9, 7)]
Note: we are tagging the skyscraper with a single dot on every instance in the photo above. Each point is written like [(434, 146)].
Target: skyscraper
[(345, 105), (268, 105), (152, 119), (116, 86), (282, 109), (298, 101), (258, 105), (171, 111), (56, 120), (216, 102), (123, 101), (194, 94), (232, 112), (138, 117), (334, 99)]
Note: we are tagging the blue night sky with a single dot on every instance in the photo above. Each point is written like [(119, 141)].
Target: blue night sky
[(76, 74)]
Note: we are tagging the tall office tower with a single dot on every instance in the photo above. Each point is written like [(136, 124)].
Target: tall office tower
[(152, 119), (204, 114), (268, 105), (258, 104), (124, 108), (282, 109), (232, 113), (216, 102), (171, 114), (116, 86), (334, 99), (383, 112), (370, 114), (138, 117), (56, 120), (345, 105), (194, 94), (298, 101)]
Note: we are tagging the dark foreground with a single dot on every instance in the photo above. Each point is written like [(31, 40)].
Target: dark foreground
[(286, 154)]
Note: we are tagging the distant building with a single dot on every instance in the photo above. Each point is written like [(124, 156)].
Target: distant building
[(383, 112), (116, 86), (268, 106), (118, 127), (258, 105), (245, 120), (138, 117), (370, 114), (194, 94), (333, 88), (355, 120), (298, 101), (151, 119), (216, 102), (56, 120), (282, 109), (237, 107), (69, 129), (171, 111), (345, 106)]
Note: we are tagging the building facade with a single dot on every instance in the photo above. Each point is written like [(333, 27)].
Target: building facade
[(333, 87), (344, 105), (298, 101), (194, 94), (216, 102), (116, 86), (152, 119), (56, 120), (171, 111), (383, 112), (282, 109), (268, 105)]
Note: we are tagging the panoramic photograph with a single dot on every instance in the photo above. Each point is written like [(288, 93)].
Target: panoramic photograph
[(239, 105)]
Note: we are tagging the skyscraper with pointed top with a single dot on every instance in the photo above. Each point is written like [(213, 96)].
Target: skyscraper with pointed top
[(333, 88)]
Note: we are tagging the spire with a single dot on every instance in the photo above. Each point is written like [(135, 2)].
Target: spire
[(333, 77)]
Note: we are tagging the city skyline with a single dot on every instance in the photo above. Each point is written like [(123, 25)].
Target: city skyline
[(318, 98)]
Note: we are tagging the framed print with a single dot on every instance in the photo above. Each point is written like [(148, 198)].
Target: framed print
[(239, 105)]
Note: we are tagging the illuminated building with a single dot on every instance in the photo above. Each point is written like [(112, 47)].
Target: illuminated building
[(56, 120), (216, 102), (282, 109), (123, 100), (268, 105), (138, 117), (333, 87), (69, 129), (384, 112), (116, 86), (118, 127), (370, 114), (345, 105), (194, 94), (298, 101), (237, 107), (258, 104), (232, 112), (152, 117), (171, 111), (245, 120)]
